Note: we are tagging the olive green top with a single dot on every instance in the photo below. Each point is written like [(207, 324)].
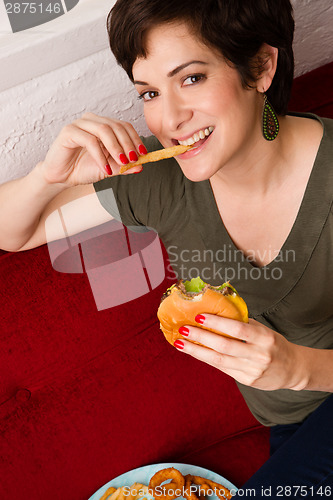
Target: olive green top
[(292, 295)]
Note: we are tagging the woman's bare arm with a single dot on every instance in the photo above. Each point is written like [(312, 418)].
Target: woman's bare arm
[(85, 213), (23, 229), (83, 153)]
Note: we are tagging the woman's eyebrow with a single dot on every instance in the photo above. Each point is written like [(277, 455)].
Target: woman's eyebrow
[(174, 71), (183, 66)]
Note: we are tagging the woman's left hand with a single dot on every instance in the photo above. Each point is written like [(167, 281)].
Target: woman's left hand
[(264, 360)]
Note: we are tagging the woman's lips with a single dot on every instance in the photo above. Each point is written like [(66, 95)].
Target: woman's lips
[(196, 149)]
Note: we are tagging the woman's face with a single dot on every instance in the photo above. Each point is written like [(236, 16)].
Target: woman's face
[(190, 93)]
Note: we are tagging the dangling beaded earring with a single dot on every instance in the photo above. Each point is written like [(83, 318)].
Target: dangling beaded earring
[(270, 122)]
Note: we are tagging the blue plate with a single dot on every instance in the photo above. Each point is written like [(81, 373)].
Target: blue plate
[(143, 474)]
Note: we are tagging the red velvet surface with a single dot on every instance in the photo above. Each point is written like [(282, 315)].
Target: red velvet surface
[(313, 92), (86, 395), (90, 395)]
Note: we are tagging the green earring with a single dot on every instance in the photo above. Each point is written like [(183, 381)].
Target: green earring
[(270, 122)]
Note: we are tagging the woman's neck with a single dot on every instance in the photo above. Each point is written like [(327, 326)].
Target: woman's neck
[(260, 167)]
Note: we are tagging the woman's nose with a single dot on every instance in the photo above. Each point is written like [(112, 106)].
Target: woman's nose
[(176, 112)]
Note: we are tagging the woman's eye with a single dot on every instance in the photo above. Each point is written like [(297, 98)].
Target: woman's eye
[(148, 96), (190, 80)]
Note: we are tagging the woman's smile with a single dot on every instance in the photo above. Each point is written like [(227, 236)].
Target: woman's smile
[(194, 138), (197, 148)]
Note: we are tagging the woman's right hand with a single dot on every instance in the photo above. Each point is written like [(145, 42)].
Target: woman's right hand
[(85, 150)]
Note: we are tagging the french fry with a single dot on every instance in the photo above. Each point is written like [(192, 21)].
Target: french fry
[(134, 491), (160, 154), (108, 492), (144, 491), (113, 494), (119, 493)]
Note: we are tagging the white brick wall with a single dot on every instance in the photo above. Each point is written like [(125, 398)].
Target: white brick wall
[(314, 34)]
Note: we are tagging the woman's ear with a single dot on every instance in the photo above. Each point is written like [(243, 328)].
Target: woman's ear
[(266, 63)]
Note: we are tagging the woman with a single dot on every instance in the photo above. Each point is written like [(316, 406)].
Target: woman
[(257, 189)]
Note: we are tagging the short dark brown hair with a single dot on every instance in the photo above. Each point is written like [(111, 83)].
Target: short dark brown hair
[(237, 28)]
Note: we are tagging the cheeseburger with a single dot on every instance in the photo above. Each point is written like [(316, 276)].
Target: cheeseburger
[(184, 300)]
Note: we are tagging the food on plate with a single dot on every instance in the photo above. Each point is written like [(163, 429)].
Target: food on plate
[(171, 490), (160, 154), (206, 487), (184, 300), (135, 492), (190, 487)]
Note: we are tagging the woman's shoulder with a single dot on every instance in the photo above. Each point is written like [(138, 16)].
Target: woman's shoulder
[(313, 125), (312, 138)]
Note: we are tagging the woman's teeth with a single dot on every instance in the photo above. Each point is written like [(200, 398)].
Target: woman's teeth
[(197, 137)]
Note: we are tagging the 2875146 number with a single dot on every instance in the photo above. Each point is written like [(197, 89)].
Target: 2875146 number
[(303, 491), (32, 8)]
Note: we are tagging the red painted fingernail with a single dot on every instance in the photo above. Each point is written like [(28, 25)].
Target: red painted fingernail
[(108, 169), (142, 150), (139, 172), (133, 156), (179, 344), (200, 319), (123, 159), (184, 331)]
